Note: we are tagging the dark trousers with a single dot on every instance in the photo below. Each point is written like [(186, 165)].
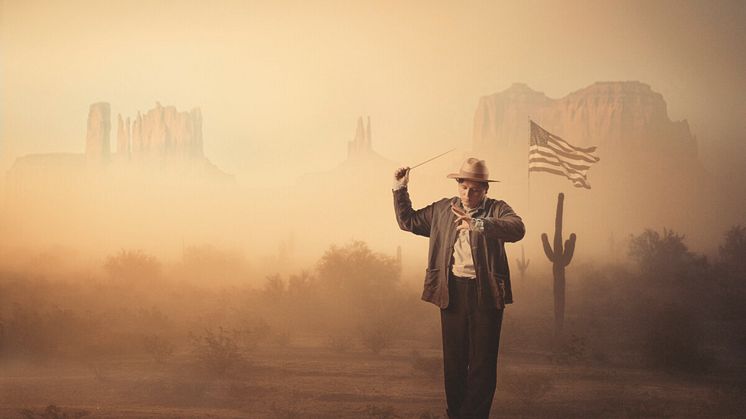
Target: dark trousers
[(471, 337)]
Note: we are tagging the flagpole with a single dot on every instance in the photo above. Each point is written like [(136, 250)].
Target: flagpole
[(528, 186)]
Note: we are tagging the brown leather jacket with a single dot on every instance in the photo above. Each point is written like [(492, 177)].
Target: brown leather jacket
[(436, 221)]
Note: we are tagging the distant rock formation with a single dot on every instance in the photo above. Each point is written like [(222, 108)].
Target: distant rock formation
[(123, 136), (360, 150), (97, 137), (362, 162), (168, 141), (361, 145), (162, 133), (612, 115)]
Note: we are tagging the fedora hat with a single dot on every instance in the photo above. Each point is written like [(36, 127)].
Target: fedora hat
[(473, 169)]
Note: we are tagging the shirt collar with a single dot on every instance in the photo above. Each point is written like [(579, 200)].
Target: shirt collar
[(473, 211)]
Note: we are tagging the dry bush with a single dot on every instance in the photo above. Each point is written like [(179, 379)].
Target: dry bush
[(217, 351), (357, 274), (45, 333)]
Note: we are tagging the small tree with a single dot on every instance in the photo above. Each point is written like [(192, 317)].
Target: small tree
[(733, 249), (665, 255), (357, 273)]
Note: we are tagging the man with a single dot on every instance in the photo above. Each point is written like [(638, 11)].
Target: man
[(467, 277)]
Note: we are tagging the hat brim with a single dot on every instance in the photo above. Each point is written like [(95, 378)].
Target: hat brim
[(459, 176)]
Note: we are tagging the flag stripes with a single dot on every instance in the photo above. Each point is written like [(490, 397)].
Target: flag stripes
[(551, 154)]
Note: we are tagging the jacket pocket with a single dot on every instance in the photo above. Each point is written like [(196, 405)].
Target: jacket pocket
[(499, 281)]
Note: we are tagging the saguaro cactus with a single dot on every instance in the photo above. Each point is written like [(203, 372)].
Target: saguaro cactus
[(560, 257), (522, 263)]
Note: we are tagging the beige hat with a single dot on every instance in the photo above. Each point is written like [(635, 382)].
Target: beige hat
[(473, 169)]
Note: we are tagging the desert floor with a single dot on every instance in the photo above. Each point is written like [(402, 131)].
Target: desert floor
[(307, 379)]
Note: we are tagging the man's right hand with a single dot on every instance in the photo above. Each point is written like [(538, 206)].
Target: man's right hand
[(401, 178)]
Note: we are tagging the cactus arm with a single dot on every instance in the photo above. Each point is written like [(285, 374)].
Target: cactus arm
[(547, 247), (569, 249)]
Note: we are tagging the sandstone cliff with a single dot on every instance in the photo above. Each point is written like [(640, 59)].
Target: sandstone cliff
[(612, 115), (97, 136), (162, 133)]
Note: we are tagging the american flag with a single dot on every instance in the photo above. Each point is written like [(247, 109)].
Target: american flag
[(550, 153)]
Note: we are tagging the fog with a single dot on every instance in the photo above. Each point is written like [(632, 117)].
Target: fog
[(240, 276)]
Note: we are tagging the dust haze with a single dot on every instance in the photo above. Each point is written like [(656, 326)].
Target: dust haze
[(196, 213)]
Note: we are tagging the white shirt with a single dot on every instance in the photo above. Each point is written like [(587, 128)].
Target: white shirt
[(463, 261)]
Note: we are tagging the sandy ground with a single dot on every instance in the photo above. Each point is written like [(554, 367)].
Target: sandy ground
[(312, 381)]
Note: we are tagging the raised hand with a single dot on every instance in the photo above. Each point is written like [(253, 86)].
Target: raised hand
[(401, 177), (463, 219)]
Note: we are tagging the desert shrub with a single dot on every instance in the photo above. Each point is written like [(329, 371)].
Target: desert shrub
[(428, 366), (42, 333), (301, 286), (355, 272), (217, 351), (27, 334), (733, 250), (160, 349), (665, 256), (132, 265)]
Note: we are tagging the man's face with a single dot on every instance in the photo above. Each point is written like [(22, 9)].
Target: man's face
[(471, 192)]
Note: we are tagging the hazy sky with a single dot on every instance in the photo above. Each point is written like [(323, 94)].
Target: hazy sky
[(281, 83)]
